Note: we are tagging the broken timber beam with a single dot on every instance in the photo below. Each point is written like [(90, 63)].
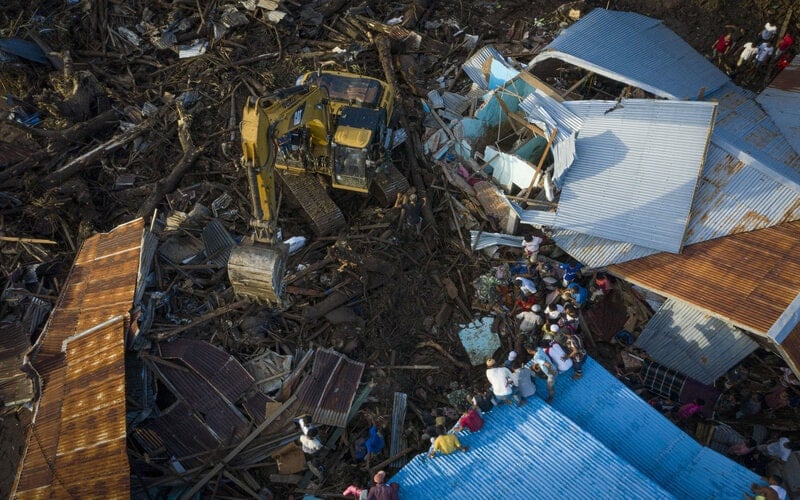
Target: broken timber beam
[(230, 456)]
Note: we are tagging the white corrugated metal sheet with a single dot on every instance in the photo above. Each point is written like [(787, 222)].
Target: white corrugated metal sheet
[(637, 50), (593, 251), (538, 218), (743, 122), (528, 452), (781, 100), (638, 166), (538, 106), (687, 340), (480, 240), (473, 67)]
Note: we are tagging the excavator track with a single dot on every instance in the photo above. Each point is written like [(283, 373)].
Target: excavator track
[(386, 187), (310, 195)]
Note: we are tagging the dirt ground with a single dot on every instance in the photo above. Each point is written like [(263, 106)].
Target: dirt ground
[(119, 78)]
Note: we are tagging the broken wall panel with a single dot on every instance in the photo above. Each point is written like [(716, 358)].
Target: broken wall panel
[(328, 392)]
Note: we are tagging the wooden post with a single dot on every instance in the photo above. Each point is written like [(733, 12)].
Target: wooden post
[(525, 194)]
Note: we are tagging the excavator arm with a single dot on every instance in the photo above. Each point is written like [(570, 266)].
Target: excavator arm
[(262, 124)]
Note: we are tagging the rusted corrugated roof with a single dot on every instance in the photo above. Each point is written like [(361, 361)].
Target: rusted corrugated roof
[(77, 443), (216, 366), (15, 385), (328, 392), (749, 279)]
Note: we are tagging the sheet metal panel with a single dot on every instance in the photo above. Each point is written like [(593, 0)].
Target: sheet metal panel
[(532, 451), (77, 444), (327, 393), (687, 340), (637, 50), (220, 369), (744, 122), (473, 67), (781, 100), (728, 277), (637, 168), (480, 240), (602, 406), (15, 386)]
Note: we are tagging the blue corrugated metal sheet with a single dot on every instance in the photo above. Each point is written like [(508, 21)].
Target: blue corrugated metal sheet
[(687, 340), (506, 459), (528, 452), (637, 169), (781, 100), (601, 405), (652, 57)]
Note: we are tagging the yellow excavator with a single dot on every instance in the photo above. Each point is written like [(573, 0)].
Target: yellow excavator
[(332, 125)]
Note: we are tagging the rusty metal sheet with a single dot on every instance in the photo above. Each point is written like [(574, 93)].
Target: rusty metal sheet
[(76, 446), (217, 367), (327, 393), (729, 277)]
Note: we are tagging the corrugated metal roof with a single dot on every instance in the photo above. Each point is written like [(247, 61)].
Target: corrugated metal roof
[(77, 444), (528, 452), (781, 100), (480, 240), (473, 67), (221, 370), (327, 393), (593, 251), (16, 387), (653, 57), (728, 277), (602, 406), (637, 167), (741, 121), (690, 341)]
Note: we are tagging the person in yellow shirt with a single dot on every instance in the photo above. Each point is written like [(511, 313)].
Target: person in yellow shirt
[(445, 444)]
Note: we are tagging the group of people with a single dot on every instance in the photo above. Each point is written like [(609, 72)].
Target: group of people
[(755, 54)]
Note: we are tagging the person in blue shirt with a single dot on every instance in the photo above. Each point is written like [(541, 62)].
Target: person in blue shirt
[(579, 294), (543, 367), (570, 271)]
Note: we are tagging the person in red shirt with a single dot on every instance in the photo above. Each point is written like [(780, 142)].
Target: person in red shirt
[(721, 47), (785, 44), (470, 420)]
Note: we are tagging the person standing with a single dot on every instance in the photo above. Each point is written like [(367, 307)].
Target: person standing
[(530, 249), (500, 378), (721, 47), (765, 51), (785, 44), (768, 32), (747, 53), (575, 352)]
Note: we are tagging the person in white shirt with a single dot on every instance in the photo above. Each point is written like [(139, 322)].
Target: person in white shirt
[(747, 53), (500, 378), (529, 320), (780, 449), (530, 249)]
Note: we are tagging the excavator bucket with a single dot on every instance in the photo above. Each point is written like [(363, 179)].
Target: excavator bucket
[(256, 272)]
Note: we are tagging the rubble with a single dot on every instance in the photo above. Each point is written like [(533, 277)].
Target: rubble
[(116, 112)]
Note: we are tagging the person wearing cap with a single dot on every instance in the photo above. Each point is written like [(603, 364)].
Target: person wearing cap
[(555, 352), (575, 352), (381, 490), (768, 32), (553, 311), (445, 444), (500, 378), (511, 357), (771, 491)]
